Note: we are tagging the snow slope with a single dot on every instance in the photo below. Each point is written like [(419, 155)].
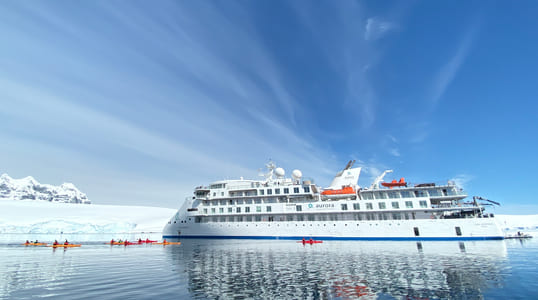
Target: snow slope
[(29, 189), (27, 216)]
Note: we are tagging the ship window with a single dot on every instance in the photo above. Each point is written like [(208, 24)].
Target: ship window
[(394, 195), (406, 194), (214, 219), (289, 218), (421, 194), (311, 217), (369, 206), (408, 204), (205, 210), (380, 195), (222, 202), (221, 210), (222, 219), (230, 219), (423, 203), (268, 208), (416, 231), (197, 219), (458, 231), (239, 219), (396, 216), (358, 217), (344, 206), (406, 216), (258, 209), (395, 204), (247, 209), (262, 192), (258, 218), (238, 209), (213, 210), (214, 194), (286, 190), (367, 196), (229, 209), (434, 192), (296, 190), (269, 191), (306, 189), (277, 191), (222, 193), (299, 208), (356, 206), (249, 218), (258, 200), (382, 205)]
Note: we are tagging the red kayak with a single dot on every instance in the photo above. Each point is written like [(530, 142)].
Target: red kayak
[(310, 242)]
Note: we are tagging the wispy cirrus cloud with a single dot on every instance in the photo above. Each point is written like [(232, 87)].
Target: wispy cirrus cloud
[(448, 71), (377, 28)]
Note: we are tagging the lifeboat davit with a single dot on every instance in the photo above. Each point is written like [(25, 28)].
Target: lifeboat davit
[(343, 191), (394, 183)]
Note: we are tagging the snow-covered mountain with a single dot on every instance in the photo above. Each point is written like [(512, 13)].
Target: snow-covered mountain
[(29, 189)]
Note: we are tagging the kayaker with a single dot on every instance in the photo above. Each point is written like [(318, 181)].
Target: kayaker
[(304, 241), (147, 240), (55, 242), (120, 241), (164, 241), (112, 241), (139, 240), (66, 242), (27, 242), (36, 242), (310, 240)]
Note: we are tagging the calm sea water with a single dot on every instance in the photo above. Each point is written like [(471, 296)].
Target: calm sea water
[(263, 269)]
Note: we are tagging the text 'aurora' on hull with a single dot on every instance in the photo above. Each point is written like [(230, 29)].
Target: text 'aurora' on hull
[(292, 208)]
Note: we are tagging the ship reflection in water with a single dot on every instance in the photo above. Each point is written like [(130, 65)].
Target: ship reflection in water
[(339, 269)]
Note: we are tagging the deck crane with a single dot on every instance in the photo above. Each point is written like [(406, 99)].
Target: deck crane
[(375, 184)]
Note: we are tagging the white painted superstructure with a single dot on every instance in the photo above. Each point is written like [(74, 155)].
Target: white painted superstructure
[(292, 208)]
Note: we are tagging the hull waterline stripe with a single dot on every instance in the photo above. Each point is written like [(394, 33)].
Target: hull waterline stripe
[(328, 238)]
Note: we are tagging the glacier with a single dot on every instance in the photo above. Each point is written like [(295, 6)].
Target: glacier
[(44, 217)]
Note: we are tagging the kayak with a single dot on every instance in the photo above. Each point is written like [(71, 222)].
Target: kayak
[(168, 243), (34, 244), (123, 243), (64, 246), (310, 242)]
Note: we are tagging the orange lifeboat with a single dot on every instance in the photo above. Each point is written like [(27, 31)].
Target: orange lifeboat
[(343, 191), (394, 183)]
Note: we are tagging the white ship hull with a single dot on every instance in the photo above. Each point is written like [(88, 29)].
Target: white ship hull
[(438, 229)]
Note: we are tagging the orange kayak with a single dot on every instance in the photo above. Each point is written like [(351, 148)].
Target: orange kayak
[(34, 244), (64, 246), (167, 243)]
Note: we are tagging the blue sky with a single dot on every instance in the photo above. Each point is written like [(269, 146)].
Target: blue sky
[(136, 102)]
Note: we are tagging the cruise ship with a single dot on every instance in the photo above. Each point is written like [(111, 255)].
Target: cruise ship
[(280, 207)]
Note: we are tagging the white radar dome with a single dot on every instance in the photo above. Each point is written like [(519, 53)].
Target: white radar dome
[(280, 172), (296, 174)]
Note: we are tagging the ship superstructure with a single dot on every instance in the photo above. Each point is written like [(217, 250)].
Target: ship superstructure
[(292, 208)]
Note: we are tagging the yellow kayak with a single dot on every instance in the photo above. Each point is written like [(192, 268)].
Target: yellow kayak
[(65, 246), (34, 244), (167, 243)]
